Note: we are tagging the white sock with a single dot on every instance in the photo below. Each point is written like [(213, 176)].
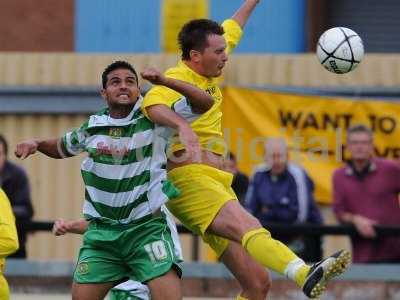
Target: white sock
[(292, 268)]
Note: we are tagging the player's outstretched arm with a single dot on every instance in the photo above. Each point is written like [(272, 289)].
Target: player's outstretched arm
[(243, 13), (62, 226), (52, 147), (200, 100)]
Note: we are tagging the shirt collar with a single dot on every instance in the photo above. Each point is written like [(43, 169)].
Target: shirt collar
[(129, 117), (106, 120), (350, 171), (274, 178)]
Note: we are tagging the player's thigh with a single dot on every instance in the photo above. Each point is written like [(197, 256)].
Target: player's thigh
[(217, 243), (251, 275), (99, 258), (90, 291), (233, 221), (204, 190), (99, 266), (151, 251), (166, 287)]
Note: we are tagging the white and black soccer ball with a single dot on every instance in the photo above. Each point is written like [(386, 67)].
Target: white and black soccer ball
[(340, 50)]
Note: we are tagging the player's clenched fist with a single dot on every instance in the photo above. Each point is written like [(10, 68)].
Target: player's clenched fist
[(60, 227), (26, 148), (153, 75)]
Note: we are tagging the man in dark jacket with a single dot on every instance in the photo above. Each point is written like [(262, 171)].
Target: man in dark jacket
[(14, 182), (282, 192)]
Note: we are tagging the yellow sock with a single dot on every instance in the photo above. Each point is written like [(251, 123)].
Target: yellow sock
[(274, 255), (239, 297)]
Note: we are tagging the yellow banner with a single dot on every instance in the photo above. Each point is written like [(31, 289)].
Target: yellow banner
[(175, 14), (314, 128)]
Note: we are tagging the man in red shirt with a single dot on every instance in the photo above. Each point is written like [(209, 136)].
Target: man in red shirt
[(366, 194)]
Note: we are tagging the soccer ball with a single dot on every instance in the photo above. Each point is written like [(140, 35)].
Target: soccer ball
[(340, 50)]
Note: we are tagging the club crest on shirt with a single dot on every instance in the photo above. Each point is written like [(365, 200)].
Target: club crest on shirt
[(115, 132)]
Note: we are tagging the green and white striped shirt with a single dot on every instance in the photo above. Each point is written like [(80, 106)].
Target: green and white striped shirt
[(124, 173)]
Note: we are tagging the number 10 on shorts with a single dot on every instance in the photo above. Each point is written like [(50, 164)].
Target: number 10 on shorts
[(156, 251)]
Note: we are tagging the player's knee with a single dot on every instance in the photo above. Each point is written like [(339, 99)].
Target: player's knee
[(248, 223), (234, 222), (262, 284), (253, 222), (258, 285)]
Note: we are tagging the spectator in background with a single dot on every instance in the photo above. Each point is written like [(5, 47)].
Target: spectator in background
[(240, 180), (8, 240), (282, 192), (14, 182), (365, 194)]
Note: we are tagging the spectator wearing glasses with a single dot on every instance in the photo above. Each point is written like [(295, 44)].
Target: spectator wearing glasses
[(365, 193)]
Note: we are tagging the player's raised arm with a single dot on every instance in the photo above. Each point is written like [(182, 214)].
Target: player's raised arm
[(200, 100), (51, 147), (243, 13)]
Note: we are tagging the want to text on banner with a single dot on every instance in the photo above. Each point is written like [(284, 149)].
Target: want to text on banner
[(314, 128)]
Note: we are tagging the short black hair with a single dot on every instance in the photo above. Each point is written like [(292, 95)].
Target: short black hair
[(360, 128), (3, 142), (193, 35), (119, 64)]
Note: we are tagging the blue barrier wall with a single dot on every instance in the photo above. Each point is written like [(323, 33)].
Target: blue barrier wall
[(274, 27), (134, 26), (117, 26)]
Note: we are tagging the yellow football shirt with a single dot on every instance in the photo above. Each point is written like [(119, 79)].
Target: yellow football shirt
[(8, 231), (208, 125)]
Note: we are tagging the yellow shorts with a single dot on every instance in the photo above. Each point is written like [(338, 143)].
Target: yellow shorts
[(204, 190)]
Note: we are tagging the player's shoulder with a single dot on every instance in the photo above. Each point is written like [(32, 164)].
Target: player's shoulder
[(230, 24), (178, 72), (163, 94)]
